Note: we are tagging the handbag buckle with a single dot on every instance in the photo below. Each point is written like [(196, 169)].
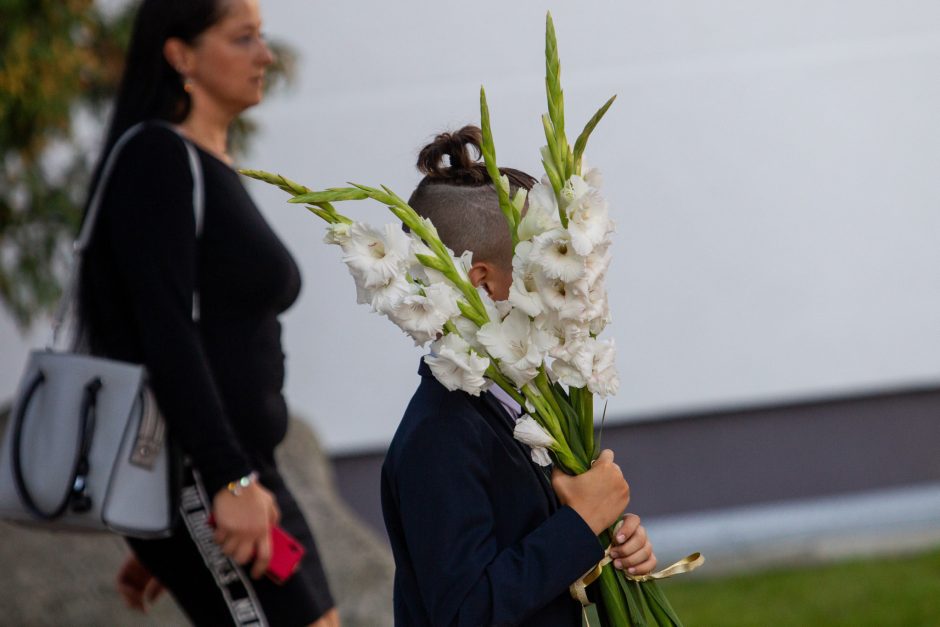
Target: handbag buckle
[(151, 434)]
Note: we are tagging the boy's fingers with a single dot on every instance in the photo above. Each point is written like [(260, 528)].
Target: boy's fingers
[(606, 455), (645, 568)]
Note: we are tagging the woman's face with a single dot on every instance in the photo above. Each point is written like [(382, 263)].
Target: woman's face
[(227, 61)]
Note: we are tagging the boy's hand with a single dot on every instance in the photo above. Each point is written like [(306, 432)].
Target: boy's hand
[(599, 495), (631, 548)]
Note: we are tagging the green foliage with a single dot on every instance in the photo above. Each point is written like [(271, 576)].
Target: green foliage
[(56, 57), (59, 59)]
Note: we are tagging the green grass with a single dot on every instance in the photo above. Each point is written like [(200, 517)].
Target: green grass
[(882, 592)]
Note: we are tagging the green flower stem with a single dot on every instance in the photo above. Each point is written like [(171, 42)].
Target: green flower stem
[(282, 182), (413, 221), (583, 402), (615, 603), (546, 417), (571, 437), (544, 413), (322, 209), (325, 215), (470, 313), (442, 260), (492, 168), (562, 156), (556, 98), (497, 377)]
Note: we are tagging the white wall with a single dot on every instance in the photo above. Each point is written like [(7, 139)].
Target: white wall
[(772, 167)]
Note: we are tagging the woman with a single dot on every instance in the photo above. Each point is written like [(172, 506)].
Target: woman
[(480, 535), (197, 64)]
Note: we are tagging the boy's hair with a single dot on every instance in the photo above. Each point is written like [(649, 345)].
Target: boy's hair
[(461, 201)]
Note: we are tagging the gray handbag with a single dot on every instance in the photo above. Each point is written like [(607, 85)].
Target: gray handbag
[(86, 447)]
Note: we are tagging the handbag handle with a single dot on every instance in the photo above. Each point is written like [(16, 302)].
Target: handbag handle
[(94, 206), (76, 496)]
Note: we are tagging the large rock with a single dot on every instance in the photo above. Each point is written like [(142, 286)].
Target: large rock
[(68, 579)]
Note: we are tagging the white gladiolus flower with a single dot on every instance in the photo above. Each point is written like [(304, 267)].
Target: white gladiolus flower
[(457, 366), (599, 311), (588, 222), (573, 189), (468, 331), (517, 344), (597, 263), (376, 256), (568, 374), (541, 215), (541, 457), (337, 233), (593, 177), (384, 298), (588, 363), (603, 380), (574, 360), (523, 293), (549, 322), (531, 433), (554, 254), (558, 298), (491, 307), (466, 262), (423, 316)]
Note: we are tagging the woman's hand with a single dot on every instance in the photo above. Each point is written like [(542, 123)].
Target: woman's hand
[(136, 585), (599, 495), (243, 525), (631, 548)]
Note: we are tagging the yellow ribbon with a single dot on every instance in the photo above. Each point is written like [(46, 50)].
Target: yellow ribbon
[(687, 564)]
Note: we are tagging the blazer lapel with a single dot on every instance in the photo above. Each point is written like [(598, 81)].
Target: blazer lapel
[(506, 423), (492, 409)]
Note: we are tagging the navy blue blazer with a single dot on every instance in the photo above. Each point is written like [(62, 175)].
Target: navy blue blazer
[(476, 530)]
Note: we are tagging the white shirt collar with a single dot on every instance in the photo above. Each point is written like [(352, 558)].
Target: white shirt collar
[(514, 408)]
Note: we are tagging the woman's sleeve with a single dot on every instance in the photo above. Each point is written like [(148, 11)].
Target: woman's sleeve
[(443, 484), (152, 230)]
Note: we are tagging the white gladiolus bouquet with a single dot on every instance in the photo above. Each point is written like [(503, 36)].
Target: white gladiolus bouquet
[(542, 345)]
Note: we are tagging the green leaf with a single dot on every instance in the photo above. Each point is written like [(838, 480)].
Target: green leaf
[(617, 604), (582, 140), (634, 598), (658, 604), (589, 616)]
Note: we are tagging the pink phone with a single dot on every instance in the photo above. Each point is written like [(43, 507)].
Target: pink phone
[(286, 553)]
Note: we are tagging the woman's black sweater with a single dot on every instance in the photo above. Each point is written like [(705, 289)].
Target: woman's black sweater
[(217, 381)]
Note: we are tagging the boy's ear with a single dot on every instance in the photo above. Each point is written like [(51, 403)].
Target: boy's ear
[(480, 273)]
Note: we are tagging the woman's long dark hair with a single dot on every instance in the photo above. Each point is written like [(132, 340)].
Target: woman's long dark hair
[(150, 87)]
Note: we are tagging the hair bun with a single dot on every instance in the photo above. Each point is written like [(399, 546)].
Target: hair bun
[(461, 165)]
